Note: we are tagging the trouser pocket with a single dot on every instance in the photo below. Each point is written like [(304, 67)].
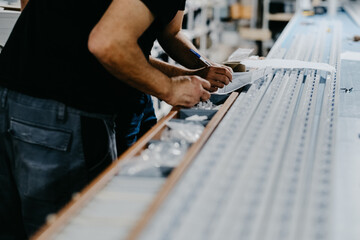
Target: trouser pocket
[(42, 157), (45, 141), (47, 150)]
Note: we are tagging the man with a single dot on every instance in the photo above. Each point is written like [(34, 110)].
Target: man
[(178, 47), (66, 73)]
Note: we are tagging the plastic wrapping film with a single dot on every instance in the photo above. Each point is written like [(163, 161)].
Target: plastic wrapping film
[(162, 156)]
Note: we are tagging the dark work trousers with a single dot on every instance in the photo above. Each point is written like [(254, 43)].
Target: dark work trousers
[(133, 124), (47, 152)]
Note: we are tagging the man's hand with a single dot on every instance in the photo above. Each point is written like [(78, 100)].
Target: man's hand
[(218, 76), (187, 91)]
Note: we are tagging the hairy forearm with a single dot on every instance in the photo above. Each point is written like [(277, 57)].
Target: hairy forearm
[(169, 69), (178, 47), (129, 65)]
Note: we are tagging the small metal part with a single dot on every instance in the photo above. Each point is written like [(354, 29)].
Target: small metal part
[(347, 90)]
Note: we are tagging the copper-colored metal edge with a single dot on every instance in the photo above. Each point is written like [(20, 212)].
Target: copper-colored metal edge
[(59, 220), (178, 172)]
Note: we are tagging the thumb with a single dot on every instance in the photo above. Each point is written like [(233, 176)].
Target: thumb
[(205, 84)]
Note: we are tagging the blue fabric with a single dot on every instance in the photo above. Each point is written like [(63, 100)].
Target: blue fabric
[(130, 127), (42, 159)]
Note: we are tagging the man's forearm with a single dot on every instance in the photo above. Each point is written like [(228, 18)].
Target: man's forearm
[(176, 44), (168, 69), (178, 48)]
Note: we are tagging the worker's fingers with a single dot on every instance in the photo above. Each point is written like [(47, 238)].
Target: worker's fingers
[(205, 96), (223, 79), (205, 87), (219, 74), (205, 84), (224, 72), (229, 69), (187, 91), (213, 89), (216, 84)]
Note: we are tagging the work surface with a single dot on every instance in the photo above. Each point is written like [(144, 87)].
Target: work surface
[(283, 163)]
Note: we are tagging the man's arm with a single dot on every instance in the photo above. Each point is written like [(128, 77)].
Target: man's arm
[(175, 43), (173, 71), (169, 69), (113, 41)]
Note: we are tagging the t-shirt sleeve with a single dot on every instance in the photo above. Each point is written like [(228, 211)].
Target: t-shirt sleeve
[(160, 8), (155, 6), (182, 5)]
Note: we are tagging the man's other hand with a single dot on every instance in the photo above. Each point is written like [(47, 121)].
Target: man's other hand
[(187, 91)]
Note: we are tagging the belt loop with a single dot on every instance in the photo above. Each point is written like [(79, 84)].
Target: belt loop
[(3, 97), (61, 114)]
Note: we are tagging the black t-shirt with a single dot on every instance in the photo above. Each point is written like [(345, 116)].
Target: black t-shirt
[(46, 55)]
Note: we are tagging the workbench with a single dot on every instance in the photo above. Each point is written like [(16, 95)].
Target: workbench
[(279, 160)]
